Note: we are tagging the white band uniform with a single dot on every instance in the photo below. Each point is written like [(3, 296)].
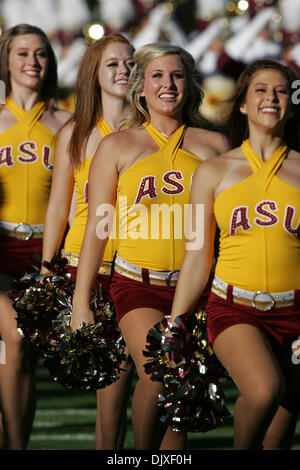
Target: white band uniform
[(260, 300)]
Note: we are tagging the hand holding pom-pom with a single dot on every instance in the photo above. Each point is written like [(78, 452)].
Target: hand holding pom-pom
[(89, 357), (181, 357), (35, 299)]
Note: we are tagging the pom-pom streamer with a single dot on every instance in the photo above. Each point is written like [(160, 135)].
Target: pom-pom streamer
[(90, 357), (193, 398), (35, 299)]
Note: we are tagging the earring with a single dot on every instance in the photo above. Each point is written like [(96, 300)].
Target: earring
[(244, 110)]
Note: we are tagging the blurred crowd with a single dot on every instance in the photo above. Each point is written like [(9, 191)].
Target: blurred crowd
[(223, 36)]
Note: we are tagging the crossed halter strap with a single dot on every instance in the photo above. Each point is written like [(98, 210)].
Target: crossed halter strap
[(169, 146), (27, 118), (104, 128), (266, 169)]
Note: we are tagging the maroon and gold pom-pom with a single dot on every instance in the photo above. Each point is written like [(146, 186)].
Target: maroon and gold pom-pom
[(36, 301), (90, 357), (192, 399)]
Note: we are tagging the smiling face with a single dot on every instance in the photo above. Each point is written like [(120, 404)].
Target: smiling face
[(267, 102), (28, 62), (165, 87), (114, 70)]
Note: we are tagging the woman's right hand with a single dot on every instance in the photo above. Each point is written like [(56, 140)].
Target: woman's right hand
[(81, 316), (44, 272)]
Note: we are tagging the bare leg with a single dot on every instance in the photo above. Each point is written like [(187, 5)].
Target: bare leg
[(280, 433), (173, 440), (29, 395), (2, 440), (10, 374), (112, 411), (15, 380), (246, 354), (148, 431)]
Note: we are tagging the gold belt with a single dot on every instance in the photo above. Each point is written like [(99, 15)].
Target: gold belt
[(157, 278), (73, 258), (254, 299), (22, 232)]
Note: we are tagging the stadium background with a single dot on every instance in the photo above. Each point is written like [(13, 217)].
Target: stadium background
[(223, 36)]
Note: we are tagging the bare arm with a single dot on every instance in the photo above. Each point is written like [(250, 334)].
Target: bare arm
[(223, 144), (60, 197), (72, 208), (206, 144), (197, 261), (103, 178)]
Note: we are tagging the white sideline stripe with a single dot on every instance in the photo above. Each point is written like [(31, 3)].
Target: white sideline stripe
[(66, 411), (48, 424), (62, 437)]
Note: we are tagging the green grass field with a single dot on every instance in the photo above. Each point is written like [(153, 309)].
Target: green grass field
[(65, 420)]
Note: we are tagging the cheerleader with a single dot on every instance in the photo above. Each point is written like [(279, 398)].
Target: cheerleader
[(100, 103), (252, 194), (28, 124), (149, 164)]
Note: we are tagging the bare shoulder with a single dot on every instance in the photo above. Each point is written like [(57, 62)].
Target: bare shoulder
[(121, 143), (205, 143), (65, 132), (113, 145), (213, 169), (6, 118), (54, 119), (119, 139), (62, 115), (294, 155)]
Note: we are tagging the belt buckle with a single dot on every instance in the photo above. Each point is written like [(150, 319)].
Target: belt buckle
[(20, 235), (169, 276), (268, 307)]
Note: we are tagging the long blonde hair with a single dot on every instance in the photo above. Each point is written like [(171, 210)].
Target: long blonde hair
[(138, 111)]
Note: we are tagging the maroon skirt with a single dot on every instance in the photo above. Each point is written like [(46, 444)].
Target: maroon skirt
[(101, 278), (281, 327), (281, 324), (128, 294), (19, 256)]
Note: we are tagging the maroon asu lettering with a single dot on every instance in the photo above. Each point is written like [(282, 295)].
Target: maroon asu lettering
[(6, 157), (239, 219), (289, 222), (148, 187), (167, 179), (26, 154), (86, 192), (266, 218), (261, 209)]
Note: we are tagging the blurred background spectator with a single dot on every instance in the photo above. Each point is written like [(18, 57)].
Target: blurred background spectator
[(223, 36)]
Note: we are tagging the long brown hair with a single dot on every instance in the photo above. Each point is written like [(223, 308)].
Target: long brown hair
[(138, 111), (237, 124), (88, 105), (49, 86)]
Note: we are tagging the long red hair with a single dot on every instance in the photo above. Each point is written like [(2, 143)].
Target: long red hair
[(88, 105)]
